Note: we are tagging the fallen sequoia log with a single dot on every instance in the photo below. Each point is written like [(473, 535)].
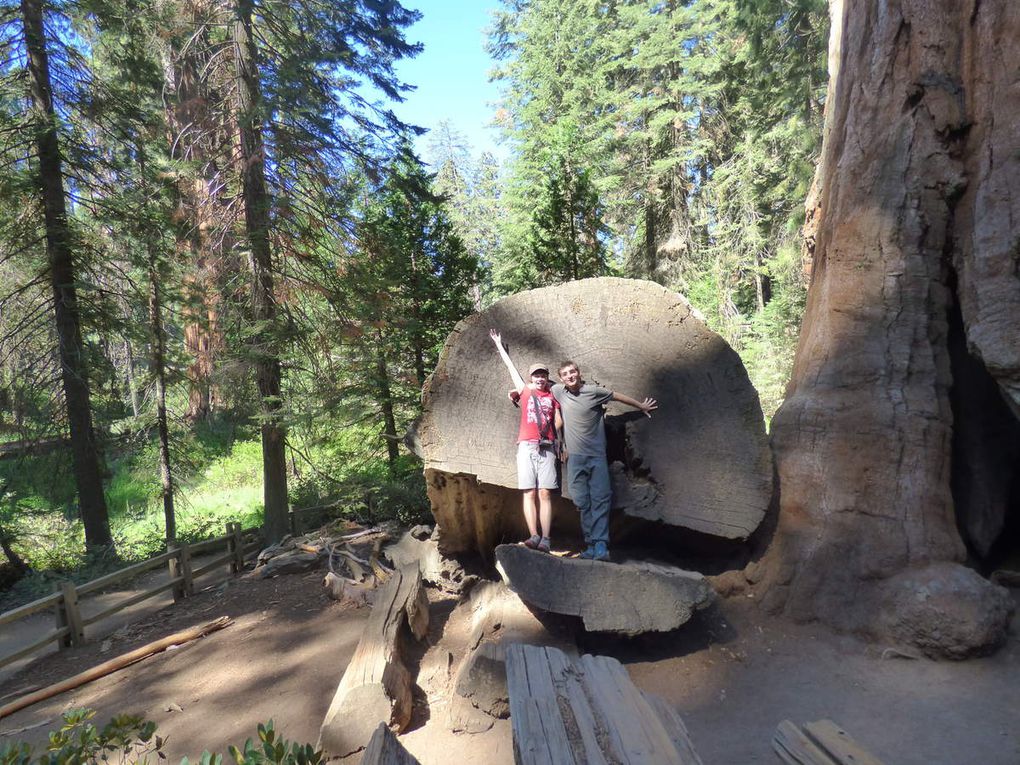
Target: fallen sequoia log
[(628, 598), (113, 665), (376, 686), (702, 461), (819, 743), (587, 710), (385, 749)]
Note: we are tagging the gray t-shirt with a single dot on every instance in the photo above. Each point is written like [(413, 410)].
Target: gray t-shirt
[(583, 411)]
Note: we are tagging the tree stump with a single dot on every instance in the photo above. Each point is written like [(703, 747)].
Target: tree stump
[(701, 462)]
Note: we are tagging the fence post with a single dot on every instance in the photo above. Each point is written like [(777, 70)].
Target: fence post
[(236, 545), (180, 567), (69, 616)]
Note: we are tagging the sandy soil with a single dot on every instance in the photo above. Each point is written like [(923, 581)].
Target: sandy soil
[(732, 674)]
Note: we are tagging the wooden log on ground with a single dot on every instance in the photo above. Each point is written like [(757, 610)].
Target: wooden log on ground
[(498, 619), (629, 597), (385, 749), (376, 686), (587, 711), (819, 743), (702, 461), (108, 667)]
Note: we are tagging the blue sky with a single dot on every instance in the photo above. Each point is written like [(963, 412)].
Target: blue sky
[(451, 74)]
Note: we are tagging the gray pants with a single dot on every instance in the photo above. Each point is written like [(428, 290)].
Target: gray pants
[(588, 479)]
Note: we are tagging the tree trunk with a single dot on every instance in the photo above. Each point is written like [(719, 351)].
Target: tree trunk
[(386, 402), (700, 463), (159, 372), (911, 170), (196, 136), (74, 373), (129, 358), (256, 216)]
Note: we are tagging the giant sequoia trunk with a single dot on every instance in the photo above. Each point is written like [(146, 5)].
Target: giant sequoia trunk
[(62, 273), (916, 191), (700, 464)]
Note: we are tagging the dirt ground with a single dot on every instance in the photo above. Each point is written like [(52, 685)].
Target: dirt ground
[(731, 673)]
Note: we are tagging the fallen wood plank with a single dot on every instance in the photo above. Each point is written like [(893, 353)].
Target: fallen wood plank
[(838, 743), (629, 598), (108, 667), (385, 749), (819, 743), (587, 711), (376, 686)]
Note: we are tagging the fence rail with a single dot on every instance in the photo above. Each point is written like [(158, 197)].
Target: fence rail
[(65, 602)]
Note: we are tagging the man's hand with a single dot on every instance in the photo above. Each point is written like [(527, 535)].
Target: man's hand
[(647, 406), (496, 338)]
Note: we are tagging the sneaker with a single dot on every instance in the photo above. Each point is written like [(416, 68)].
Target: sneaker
[(532, 542), (588, 554), (601, 551), (543, 545)]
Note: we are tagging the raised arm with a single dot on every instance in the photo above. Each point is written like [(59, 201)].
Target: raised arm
[(645, 406), (514, 374)]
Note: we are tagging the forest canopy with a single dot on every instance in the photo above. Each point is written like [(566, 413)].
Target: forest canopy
[(226, 273)]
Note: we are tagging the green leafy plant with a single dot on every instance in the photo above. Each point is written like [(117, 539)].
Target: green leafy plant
[(129, 739), (125, 739)]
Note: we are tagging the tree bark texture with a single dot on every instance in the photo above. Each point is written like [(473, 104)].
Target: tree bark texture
[(256, 216), (73, 368), (913, 197), (701, 462)]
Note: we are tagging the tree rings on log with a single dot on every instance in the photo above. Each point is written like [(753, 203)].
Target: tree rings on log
[(626, 598), (701, 462)]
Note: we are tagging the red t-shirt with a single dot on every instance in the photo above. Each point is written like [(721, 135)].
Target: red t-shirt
[(529, 422)]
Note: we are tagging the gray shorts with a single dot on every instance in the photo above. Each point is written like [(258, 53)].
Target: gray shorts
[(536, 467)]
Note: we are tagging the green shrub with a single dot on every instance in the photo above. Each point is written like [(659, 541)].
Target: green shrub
[(130, 739)]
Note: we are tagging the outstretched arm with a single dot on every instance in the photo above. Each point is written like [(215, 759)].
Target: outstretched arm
[(645, 406), (514, 374)]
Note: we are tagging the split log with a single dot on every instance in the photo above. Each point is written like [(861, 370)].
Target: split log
[(587, 710), (108, 667), (385, 749), (498, 619), (376, 686), (628, 598), (702, 461), (819, 743)]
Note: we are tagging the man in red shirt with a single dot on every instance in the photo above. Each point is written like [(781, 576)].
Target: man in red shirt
[(536, 446)]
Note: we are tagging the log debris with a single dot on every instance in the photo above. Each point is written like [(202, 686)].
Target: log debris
[(376, 686), (819, 743), (587, 710), (385, 749), (628, 598)]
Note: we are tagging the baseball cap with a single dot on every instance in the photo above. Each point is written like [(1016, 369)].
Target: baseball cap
[(536, 367)]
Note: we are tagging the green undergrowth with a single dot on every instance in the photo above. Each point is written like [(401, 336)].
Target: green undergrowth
[(218, 473), (131, 740)]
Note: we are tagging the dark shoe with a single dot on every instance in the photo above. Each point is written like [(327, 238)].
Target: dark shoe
[(601, 551), (543, 545), (532, 542), (588, 554)]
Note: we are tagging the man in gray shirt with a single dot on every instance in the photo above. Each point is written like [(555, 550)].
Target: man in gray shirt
[(583, 409)]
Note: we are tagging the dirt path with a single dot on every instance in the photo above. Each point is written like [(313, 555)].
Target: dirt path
[(24, 632), (281, 659), (731, 674)]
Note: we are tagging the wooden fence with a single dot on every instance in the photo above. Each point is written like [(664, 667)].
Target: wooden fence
[(71, 623)]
